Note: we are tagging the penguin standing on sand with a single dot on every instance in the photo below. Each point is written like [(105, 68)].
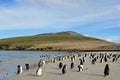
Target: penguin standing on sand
[(81, 62), (41, 63), (105, 58), (39, 71), (106, 70), (113, 59), (93, 61), (72, 59), (83, 59), (72, 65), (54, 60), (80, 68), (101, 60), (64, 69), (60, 65), (27, 66), (20, 69)]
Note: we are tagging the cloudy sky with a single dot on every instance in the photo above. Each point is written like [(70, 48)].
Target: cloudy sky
[(96, 18)]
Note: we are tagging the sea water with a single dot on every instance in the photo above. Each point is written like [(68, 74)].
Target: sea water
[(10, 59)]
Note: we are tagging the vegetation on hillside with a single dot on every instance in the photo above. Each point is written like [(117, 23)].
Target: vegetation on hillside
[(30, 42)]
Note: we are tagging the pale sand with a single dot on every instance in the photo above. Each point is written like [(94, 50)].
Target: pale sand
[(91, 72)]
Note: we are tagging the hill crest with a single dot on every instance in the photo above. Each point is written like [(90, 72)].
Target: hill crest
[(67, 40), (64, 33)]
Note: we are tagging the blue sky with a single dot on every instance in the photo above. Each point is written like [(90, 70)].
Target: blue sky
[(96, 18)]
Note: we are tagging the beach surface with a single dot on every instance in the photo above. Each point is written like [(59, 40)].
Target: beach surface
[(51, 71)]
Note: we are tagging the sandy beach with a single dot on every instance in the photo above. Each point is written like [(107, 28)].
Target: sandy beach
[(51, 71)]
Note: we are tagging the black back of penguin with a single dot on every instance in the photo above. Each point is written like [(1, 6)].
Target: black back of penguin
[(27, 66), (64, 69), (72, 65), (60, 65), (106, 70)]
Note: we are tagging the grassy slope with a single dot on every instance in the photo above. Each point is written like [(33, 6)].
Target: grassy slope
[(63, 40)]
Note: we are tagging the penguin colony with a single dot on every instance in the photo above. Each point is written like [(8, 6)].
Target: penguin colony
[(94, 57)]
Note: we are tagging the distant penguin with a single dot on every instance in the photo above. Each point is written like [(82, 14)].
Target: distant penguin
[(41, 63), (72, 65), (20, 69), (39, 71), (54, 60), (80, 68), (93, 61), (81, 62), (27, 66), (68, 56), (101, 60), (113, 60), (105, 58), (60, 65), (106, 70), (59, 59), (72, 59), (85, 55), (83, 59), (64, 69)]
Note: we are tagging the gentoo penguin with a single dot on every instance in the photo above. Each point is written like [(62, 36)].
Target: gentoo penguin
[(60, 65), (93, 61), (81, 62), (72, 65), (41, 63), (83, 59), (20, 69), (106, 70), (105, 58), (101, 60), (54, 60), (80, 68), (27, 66), (72, 59), (59, 59), (39, 71), (113, 59), (64, 69)]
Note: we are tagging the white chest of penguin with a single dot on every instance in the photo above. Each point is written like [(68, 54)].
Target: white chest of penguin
[(39, 72)]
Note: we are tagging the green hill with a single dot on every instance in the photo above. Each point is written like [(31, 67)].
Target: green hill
[(56, 41)]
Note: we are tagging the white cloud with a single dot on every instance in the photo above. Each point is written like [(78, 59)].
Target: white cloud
[(20, 19), (51, 3), (55, 13)]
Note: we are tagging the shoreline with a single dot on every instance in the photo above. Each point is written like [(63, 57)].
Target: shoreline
[(8, 66), (70, 50), (51, 71)]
